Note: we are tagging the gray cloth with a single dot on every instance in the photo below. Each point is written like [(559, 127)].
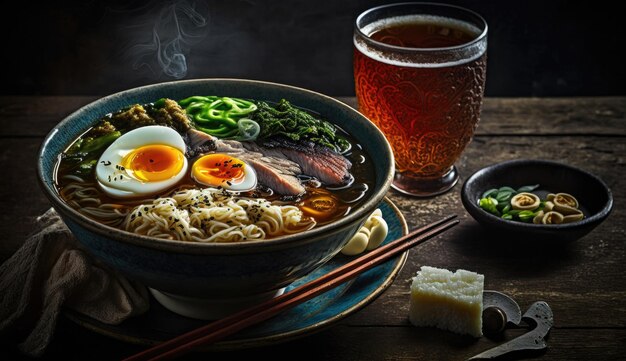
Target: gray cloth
[(51, 271)]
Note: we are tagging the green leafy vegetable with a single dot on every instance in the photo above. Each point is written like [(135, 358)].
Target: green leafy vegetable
[(490, 193), (296, 124), (89, 145), (526, 216), (490, 205), (83, 154), (504, 196), (86, 167), (527, 188), (506, 189), (507, 208), (497, 201)]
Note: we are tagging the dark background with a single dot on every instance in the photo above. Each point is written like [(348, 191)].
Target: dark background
[(536, 48)]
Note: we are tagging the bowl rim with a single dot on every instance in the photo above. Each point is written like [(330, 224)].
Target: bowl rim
[(472, 207), (286, 241)]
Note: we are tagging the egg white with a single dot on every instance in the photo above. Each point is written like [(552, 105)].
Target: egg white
[(119, 183), (249, 180)]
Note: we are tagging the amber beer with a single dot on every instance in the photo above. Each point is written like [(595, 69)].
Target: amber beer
[(420, 78)]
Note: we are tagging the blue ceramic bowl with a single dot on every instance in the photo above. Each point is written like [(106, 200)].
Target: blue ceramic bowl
[(594, 196), (216, 269)]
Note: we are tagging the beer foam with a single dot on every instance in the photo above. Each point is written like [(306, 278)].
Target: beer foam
[(377, 55)]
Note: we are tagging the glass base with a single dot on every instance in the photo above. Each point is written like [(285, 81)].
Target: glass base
[(425, 187)]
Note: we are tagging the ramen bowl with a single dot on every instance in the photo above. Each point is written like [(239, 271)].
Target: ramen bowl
[(207, 280)]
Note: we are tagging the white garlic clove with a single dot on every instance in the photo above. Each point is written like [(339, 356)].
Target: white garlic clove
[(538, 218), (369, 223), (378, 233), (366, 231), (356, 245)]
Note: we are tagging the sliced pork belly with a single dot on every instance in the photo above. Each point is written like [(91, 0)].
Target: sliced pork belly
[(321, 162), (274, 177)]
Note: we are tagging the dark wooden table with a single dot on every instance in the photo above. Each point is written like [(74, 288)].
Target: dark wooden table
[(584, 282)]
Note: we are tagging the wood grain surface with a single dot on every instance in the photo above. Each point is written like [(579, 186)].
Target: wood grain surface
[(583, 282)]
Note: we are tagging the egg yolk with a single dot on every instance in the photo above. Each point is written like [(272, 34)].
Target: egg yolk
[(216, 169), (154, 162)]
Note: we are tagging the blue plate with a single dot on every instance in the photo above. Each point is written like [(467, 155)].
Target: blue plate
[(159, 324)]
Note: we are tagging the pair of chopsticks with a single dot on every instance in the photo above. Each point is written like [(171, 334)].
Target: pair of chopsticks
[(229, 325)]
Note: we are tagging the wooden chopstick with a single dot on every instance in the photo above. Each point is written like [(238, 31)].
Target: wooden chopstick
[(224, 327)]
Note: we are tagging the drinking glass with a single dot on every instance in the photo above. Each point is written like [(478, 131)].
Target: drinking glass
[(419, 71)]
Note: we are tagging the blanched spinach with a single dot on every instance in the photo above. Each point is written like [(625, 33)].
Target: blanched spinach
[(298, 125)]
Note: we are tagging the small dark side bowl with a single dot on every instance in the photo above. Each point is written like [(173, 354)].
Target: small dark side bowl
[(593, 195), (216, 269)]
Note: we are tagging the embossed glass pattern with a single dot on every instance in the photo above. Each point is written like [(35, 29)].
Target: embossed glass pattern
[(419, 73)]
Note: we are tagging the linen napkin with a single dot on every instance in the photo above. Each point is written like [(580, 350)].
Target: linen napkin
[(51, 271)]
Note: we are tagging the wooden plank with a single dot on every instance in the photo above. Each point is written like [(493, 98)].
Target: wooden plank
[(344, 342), (541, 116), (555, 116), (35, 116)]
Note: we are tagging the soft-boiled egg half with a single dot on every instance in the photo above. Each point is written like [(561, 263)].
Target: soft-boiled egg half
[(142, 162), (223, 170)]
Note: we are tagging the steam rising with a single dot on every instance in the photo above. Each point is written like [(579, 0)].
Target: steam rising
[(176, 27)]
